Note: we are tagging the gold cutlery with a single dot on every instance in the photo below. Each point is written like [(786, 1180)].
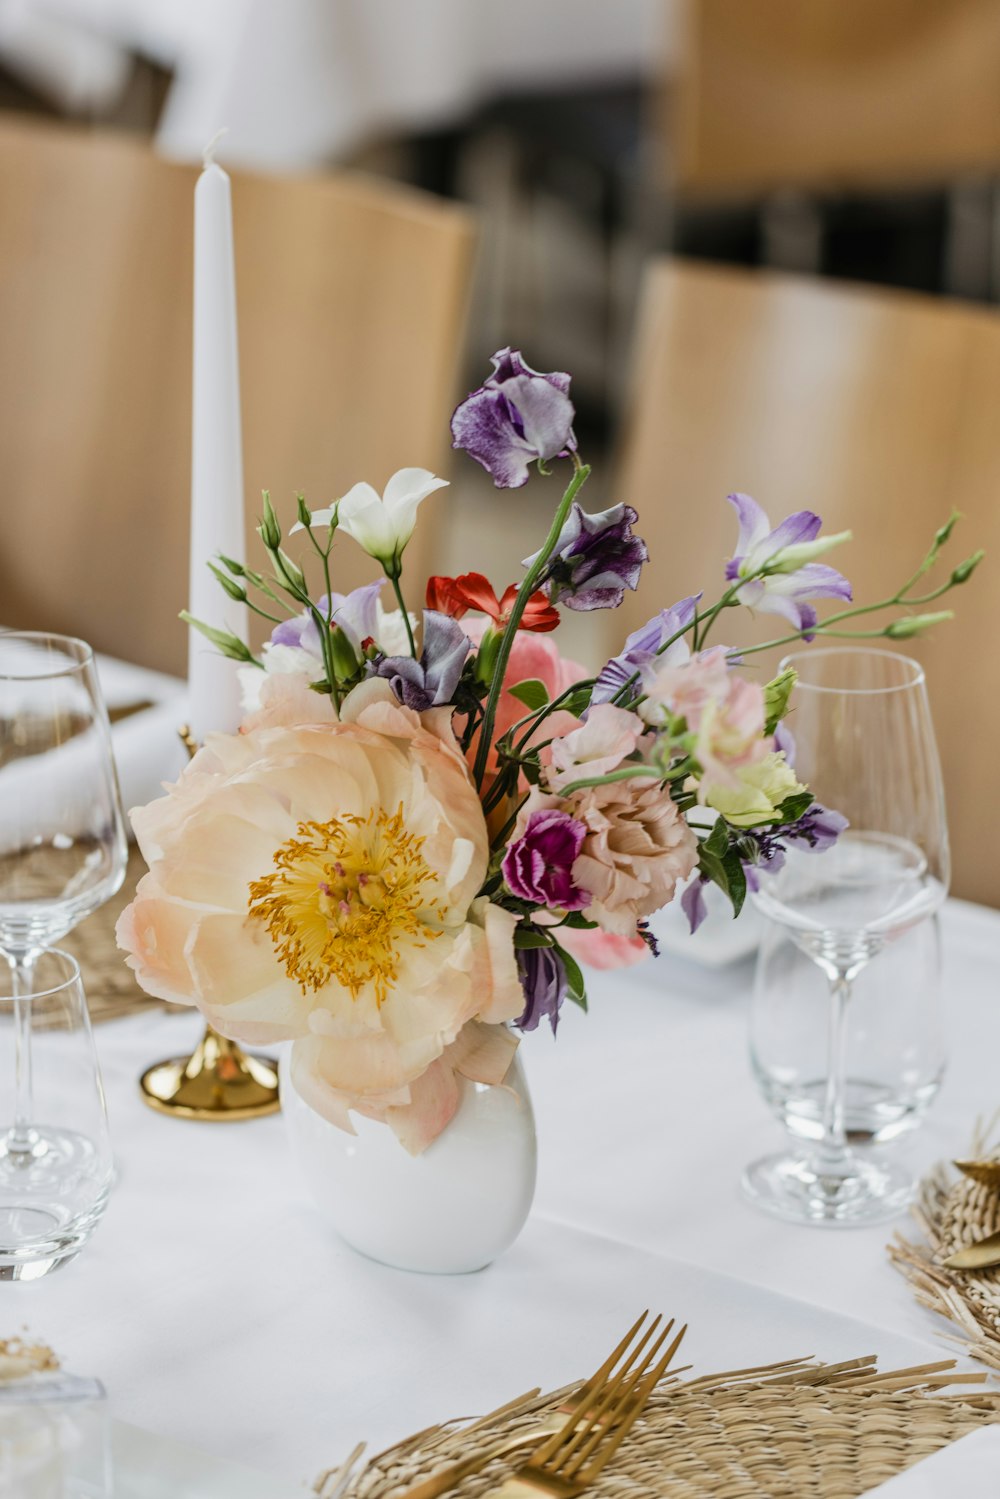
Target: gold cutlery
[(606, 1406)]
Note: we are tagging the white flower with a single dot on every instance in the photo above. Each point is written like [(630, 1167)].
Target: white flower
[(383, 524), (283, 660)]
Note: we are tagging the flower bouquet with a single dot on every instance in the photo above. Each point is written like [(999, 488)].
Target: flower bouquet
[(429, 824)]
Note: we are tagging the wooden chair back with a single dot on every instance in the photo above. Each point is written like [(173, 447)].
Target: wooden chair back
[(877, 410), (352, 299), (834, 93)]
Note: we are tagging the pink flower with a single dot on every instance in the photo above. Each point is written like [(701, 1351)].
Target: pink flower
[(319, 883), (595, 748), (636, 850), (683, 685), (603, 950), (731, 735)]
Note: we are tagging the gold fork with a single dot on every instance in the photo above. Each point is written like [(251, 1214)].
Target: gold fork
[(569, 1461), (581, 1406)]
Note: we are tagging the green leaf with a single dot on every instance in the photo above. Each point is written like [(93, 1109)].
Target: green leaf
[(737, 880), (717, 841), (576, 985), (794, 807), (531, 936), (532, 693), (579, 922), (577, 701), (776, 695)]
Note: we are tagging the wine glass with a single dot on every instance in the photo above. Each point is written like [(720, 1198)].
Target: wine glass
[(62, 832), (864, 744)]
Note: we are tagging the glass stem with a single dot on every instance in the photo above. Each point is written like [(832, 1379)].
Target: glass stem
[(20, 1136), (833, 1151)]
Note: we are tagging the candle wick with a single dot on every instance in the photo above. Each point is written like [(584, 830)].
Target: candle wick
[(208, 154)]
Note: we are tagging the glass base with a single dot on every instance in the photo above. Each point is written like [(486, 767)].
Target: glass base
[(799, 1189), (53, 1191)]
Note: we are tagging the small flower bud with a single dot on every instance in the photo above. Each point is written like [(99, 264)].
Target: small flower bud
[(916, 624), (345, 661), (269, 531), (233, 589), (236, 568), (963, 572), (305, 514), (789, 559), (230, 645)]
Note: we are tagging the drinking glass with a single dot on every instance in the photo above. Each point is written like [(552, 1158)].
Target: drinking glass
[(62, 832), (56, 1176), (864, 744), (55, 1438), (894, 1049)]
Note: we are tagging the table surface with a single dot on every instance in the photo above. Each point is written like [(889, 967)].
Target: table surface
[(221, 1311)]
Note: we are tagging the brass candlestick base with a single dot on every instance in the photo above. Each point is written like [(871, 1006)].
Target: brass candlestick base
[(218, 1081)]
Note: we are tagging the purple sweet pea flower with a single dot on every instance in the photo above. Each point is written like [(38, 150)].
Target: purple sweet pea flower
[(355, 613), (595, 559), (642, 648), (543, 980), (516, 417), (538, 866), (432, 680), (784, 555)]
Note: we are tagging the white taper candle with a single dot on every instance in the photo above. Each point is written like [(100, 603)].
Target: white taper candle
[(216, 453)]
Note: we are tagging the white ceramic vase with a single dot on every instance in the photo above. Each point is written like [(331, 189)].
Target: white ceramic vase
[(448, 1211)]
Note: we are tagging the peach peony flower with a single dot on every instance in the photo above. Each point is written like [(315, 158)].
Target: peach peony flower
[(595, 748), (318, 882)]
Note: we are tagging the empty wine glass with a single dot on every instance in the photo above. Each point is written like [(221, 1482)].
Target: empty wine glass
[(864, 744), (62, 832)]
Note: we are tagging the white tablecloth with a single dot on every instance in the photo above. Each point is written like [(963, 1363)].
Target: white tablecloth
[(220, 1310)]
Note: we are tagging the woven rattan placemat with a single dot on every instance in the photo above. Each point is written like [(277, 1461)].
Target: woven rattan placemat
[(110, 988), (801, 1430), (952, 1212)]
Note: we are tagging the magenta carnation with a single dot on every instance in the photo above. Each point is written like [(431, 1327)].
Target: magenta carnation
[(538, 866)]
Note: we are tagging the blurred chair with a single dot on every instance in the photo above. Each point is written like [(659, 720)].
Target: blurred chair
[(792, 98), (352, 300), (877, 410)]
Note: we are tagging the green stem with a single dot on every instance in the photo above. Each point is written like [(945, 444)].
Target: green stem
[(397, 590), (627, 773), (525, 591)]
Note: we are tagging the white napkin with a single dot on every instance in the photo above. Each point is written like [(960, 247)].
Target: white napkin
[(970, 1468)]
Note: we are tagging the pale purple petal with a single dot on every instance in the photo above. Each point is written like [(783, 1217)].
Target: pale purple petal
[(543, 980), (804, 525), (754, 524), (355, 613), (693, 903), (517, 416), (446, 646)]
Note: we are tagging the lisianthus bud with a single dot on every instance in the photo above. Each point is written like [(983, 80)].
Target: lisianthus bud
[(345, 660), (234, 590), (963, 572), (269, 531), (486, 657), (789, 559), (916, 624)]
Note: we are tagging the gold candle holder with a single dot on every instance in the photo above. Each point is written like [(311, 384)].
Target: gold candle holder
[(218, 1080)]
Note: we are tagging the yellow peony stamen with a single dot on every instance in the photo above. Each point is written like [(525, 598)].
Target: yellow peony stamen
[(344, 896)]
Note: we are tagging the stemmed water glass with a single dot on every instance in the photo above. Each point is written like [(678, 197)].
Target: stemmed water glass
[(62, 855), (864, 744)]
